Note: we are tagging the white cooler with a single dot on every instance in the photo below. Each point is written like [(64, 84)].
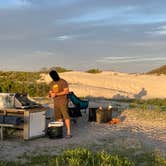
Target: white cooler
[(55, 129)]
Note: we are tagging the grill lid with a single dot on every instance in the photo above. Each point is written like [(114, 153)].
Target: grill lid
[(16, 100)]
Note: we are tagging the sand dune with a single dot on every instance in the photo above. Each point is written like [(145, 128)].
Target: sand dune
[(114, 85)]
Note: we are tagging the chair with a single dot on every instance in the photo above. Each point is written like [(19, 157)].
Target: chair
[(78, 105)]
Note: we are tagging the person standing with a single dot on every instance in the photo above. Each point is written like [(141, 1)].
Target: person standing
[(58, 91)]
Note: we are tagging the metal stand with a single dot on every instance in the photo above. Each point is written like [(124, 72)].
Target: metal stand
[(1, 132)]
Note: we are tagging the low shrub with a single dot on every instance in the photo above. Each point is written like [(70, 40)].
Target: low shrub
[(159, 104), (94, 71)]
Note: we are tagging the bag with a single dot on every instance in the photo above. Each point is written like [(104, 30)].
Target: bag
[(100, 116), (92, 114)]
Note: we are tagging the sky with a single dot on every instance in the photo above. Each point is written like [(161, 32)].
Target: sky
[(119, 35)]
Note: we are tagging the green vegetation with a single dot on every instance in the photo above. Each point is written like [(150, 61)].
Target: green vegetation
[(22, 82), (25, 82), (85, 157), (150, 104), (57, 68), (139, 157), (159, 104), (149, 115), (75, 157), (20, 76), (60, 69), (158, 71), (94, 71)]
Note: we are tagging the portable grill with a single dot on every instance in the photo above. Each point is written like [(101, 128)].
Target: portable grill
[(18, 110), (16, 100)]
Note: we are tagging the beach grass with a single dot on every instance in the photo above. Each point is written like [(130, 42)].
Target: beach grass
[(85, 157)]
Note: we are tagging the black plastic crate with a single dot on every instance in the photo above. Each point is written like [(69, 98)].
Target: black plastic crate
[(1, 119), (13, 120)]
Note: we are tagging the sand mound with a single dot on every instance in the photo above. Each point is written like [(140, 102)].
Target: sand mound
[(114, 85)]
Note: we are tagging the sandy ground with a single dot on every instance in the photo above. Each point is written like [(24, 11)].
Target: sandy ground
[(133, 132), (114, 85)]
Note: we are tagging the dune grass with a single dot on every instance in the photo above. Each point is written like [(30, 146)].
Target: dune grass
[(85, 157), (151, 104), (140, 104), (158, 71)]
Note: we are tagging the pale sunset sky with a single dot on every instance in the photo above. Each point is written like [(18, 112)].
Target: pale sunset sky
[(119, 35)]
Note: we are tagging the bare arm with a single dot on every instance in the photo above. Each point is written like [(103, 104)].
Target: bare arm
[(64, 92)]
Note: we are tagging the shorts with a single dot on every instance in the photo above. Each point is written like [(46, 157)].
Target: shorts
[(61, 112)]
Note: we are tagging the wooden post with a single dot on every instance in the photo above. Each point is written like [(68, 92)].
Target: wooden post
[(26, 125)]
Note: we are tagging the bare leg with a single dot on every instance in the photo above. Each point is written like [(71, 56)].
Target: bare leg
[(67, 123)]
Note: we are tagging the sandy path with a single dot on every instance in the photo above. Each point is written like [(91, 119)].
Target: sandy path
[(131, 132)]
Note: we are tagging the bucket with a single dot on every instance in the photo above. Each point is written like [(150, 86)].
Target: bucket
[(103, 115), (92, 114), (100, 115), (108, 115), (55, 130)]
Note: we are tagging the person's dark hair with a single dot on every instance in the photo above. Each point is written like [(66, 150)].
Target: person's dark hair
[(54, 75)]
